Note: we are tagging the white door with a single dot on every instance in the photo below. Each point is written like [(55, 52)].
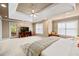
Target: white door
[(0, 28)]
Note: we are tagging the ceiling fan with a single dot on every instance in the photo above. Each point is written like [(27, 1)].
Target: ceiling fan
[(33, 13)]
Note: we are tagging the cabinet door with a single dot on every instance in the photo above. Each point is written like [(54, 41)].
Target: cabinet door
[(0, 29)]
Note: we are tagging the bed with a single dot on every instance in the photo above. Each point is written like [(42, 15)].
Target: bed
[(20, 46)]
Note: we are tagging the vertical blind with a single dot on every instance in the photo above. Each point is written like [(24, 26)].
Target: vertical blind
[(68, 28), (39, 28)]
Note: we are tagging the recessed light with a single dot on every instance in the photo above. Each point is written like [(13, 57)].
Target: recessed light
[(3, 5)]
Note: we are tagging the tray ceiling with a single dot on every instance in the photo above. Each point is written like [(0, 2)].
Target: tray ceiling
[(28, 7), (23, 11)]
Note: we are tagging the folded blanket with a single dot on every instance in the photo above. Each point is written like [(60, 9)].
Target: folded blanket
[(37, 47)]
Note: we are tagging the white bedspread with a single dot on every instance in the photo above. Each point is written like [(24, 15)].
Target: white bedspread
[(63, 47)]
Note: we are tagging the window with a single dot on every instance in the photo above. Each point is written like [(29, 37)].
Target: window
[(39, 28), (12, 29), (68, 28), (61, 28)]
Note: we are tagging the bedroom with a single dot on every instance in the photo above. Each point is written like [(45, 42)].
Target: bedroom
[(24, 25)]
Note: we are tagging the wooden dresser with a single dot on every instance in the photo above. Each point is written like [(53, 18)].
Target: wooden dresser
[(25, 34)]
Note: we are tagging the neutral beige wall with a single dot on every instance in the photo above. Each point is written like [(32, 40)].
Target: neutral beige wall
[(5, 29), (54, 26), (49, 26), (78, 25), (33, 26), (45, 28)]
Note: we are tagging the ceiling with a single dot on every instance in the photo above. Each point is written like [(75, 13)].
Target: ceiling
[(22, 11), (4, 11), (28, 7)]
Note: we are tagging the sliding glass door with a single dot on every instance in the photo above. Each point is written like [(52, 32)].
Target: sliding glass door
[(71, 28), (68, 28)]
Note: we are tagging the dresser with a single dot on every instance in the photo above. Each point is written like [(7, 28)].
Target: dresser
[(25, 34)]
